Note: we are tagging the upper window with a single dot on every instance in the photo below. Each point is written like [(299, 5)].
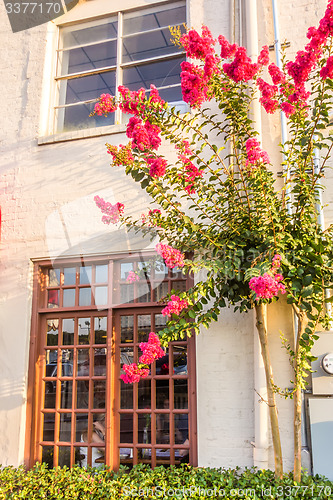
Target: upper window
[(133, 49)]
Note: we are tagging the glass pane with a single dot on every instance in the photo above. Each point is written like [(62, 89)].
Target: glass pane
[(180, 394), (82, 394), (143, 292), (126, 456), (127, 329), (48, 427), (99, 394), (100, 362), (161, 291), (161, 270), (52, 299), (54, 277), (100, 330), (64, 456), (126, 395), (179, 360), (68, 331), (162, 394), (77, 117), (182, 455), (148, 45), (69, 276), (181, 427), (97, 457), (150, 19), (51, 358), (65, 427), (126, 356), (83, 356), (144, 428), (85, 275), (66, 394), (176, 273), (69, 297), (163, 428), (144, 394), (126, 428), (160, 73), (50, 394), (47, 456), (84, 88), (144, 327), (173, 95), (52, 332), (80, 456), (67, 363), (101, 295), (84, 331), (101, 274), (81, 427), (86, 58), (162, 365), (160, 322), (126, 294), (85, 297), (125, 269), (72, 37), (179, 286)]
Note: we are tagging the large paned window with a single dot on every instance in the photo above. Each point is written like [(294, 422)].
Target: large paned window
[(89, 321), (129, 48)]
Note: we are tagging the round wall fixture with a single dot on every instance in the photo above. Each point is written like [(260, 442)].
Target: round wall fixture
[(327, 363)]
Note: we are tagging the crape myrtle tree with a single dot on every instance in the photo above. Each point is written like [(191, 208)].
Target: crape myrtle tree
[(216, 197)]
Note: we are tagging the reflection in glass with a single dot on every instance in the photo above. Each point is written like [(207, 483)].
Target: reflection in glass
[(82, 394), (76, 117), (161, 270), (54, 277), (69, 276), (101, 295), (180, 394), (85, 275), (179, 360), (145, 269), (80, 454), (126, 456), (144, 394), (47, 456), (163, 428), (52, 332), (126, 293), (86, 58), (162, 394), (148, 45), (51, 357), (126, 356), (102, 31), (65, 427), (52, 299), (67, 363), (176, 273), (144, 428), (160, 322), (48, 427), (100, 325), (133, 22), (181, 427), (182, 455), (144, 327), (83, 362), (99, 388), (126, 328), (66, 394), (50, 388), (162, 365), (101, 274), (179, 286), (161, 291), (143, 292), (125, 269), (84, 331), (126, 395), (85, 297), (68, 331), (126, 428), (81, 427), (100, 362), (69, 297), (64, 457)]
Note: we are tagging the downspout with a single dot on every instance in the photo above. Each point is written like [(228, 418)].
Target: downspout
[(260, 449)]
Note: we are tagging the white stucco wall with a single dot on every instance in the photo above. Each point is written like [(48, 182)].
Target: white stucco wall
[(46, 197)]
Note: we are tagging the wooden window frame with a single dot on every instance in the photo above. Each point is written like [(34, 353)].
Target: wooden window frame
[(112, 406)]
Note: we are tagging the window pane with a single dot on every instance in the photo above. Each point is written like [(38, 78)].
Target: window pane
[(144, 428), (126, 395), (126, 456), (69, 297), (100, 362), (64, 456), (47, 456), (125, 269), (144, 394), (101, 295), (82, 394), (85, 275), (126, 294), (48, 427), (81, 427), (181, 427), (50, 388), (67, 363), (100, 330), (65, 427), (54, 277), (180, 394), (179, 286), (66, 394), (84, 331), (127, 329), (144, 327), (143, 292), (161, 291), (85, 297), (126, 356), (179, 360), (161, 270), (161, 73), (106, 29), (160, 322), (126, 428), (68, 331), (88, 58), (77, 118), (148, 45), (150, 19), (83, 359), (88, 87), (53, 299), (163, 428), (52, 332), (101, 274), (162, 394), (69, 276), (99, 394)]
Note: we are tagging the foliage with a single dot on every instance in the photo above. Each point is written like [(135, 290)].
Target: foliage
[(144, 482)]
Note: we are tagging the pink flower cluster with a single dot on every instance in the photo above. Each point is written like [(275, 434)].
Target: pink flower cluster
[(152, 349), (132, 102), (121, 155), (144, 135), (276, 74), (133, 373), (198, 46), (241, 68), (263, 58), (227, 49), (175, 306), (150, 219), (191, 172), (172, 257), (105, 105), (327, 70), (194, 85), (157, 166), (132, 277), (269, 285), (113, 212), (268, 93), (255, 154)]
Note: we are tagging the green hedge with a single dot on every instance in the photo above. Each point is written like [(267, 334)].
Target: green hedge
[(142, 482)]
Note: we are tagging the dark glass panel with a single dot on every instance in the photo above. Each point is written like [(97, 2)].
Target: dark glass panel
[(65, 427), (163, 428), (83, 361), (50, 388), (126, 329), (160, 73), (126, 456), (52, 332), (48, 427), (82, 394), (179, 286), (179, 360), (80, 455), (81, 427), (99, 388), (47, 456), (84, 331), (126, 395), (64, 458), (126, 428), (66, 394), (88, 58), (52, 299), (100, 330), (68, 331), (144, 394), (161, 291), (143, 21), (54, 277), (148, 45), (144, 428), (180, 394), (162, 394), (144, 327), (67, 363), (181, 427), (100, 362), (143, 292), (101, 31)]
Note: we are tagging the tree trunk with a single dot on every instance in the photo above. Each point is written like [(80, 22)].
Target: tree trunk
[(302, 323), (262, 330)]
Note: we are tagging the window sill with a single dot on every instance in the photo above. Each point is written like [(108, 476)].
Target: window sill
[(81, 134)]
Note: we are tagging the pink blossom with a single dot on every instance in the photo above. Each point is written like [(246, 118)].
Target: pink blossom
[(132, 101), (172, 257), (254, 153), (152, 349), (263, 58), (113, 212), (132, 277), (157, 166), (268, 92), (144, 135), (150, 219), (194, 84), (277, 75), (327, 70), (211, 66), (105, 105), (242, 68), (155, 97), (287, 108), (227, 49), (133, 373), (121, 155), (198, 46), (267, 286), (175, 306)]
